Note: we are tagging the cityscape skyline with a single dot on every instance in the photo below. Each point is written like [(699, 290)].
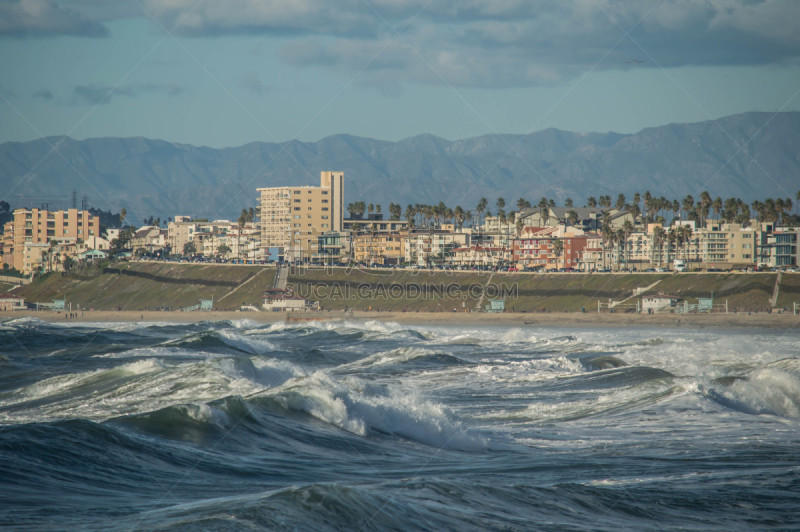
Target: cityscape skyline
[(193, 73)]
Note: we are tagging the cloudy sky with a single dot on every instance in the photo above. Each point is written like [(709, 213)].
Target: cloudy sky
[(228, 72)]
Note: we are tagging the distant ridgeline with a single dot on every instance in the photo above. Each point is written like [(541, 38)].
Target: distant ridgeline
[(162, 179)]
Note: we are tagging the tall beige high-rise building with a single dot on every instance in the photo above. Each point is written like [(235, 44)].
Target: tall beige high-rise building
[(294, 217), (39, 226)]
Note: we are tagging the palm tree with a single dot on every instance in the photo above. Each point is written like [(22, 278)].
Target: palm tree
[(591, 202), (520, 225), (544, 211), (523, 204), (458, 214), (685, 237), (558, 249), (410, 213), (688, 204), (672, 242), (620, 205), (242, 220), (568, 202), (572, 218), (481, 207), (608, 239), (658, 243), (717, 206), (627, 229)]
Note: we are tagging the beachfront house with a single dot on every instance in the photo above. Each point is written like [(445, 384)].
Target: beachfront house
[(659, 303), (11, 302), (279, 300)]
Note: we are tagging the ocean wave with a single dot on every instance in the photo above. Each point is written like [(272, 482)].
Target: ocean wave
[(763, 391), (133, 387), (362, 409)]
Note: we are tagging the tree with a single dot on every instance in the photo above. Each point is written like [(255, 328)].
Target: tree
[(544, 210), (627, 229), (608, 239), (410, 213), (591, 201), (558, 249), (688, 204), (458, 214), (481, 207), (568, 202), (395, 211), (122, 214), (572, 217), (658, 243), (717, 206), (523, 204), (356, 209), (5, 214), (121, 242), (223, 249), (189, 249), (620, 205), (241, 221), (520, 225)]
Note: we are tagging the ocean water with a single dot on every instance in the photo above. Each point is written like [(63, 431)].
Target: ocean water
[(380, 426)]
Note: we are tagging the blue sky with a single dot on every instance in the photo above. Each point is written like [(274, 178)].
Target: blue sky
[(225, 73)]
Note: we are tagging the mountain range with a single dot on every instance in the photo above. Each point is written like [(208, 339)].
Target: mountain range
[(751, 156)]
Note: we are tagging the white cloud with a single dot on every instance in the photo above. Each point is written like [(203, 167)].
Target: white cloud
[(97, 94), (41, 18)]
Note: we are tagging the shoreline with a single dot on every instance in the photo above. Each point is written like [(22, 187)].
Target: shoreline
[(761, 320)]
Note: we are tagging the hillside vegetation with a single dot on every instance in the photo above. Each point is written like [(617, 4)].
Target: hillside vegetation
[(141, 286)]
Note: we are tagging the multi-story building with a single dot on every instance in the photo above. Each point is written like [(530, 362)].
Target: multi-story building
[(594, 256), (374, 222), (179, 233), (477, 256), (333, 246), (379, 248), (148, 239), (783, 249), (541, 250), (588, 218), (426, 246), (39, 226), (725, 245), (293, 217)]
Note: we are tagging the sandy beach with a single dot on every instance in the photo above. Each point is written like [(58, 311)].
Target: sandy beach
[(555, 319)]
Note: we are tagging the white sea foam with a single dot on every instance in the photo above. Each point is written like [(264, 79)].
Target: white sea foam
[(246, 342), (355, 407), (136, 387), (764, 391)]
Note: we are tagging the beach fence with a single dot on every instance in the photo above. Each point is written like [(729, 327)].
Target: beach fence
[(618, 306), (703, 306)]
